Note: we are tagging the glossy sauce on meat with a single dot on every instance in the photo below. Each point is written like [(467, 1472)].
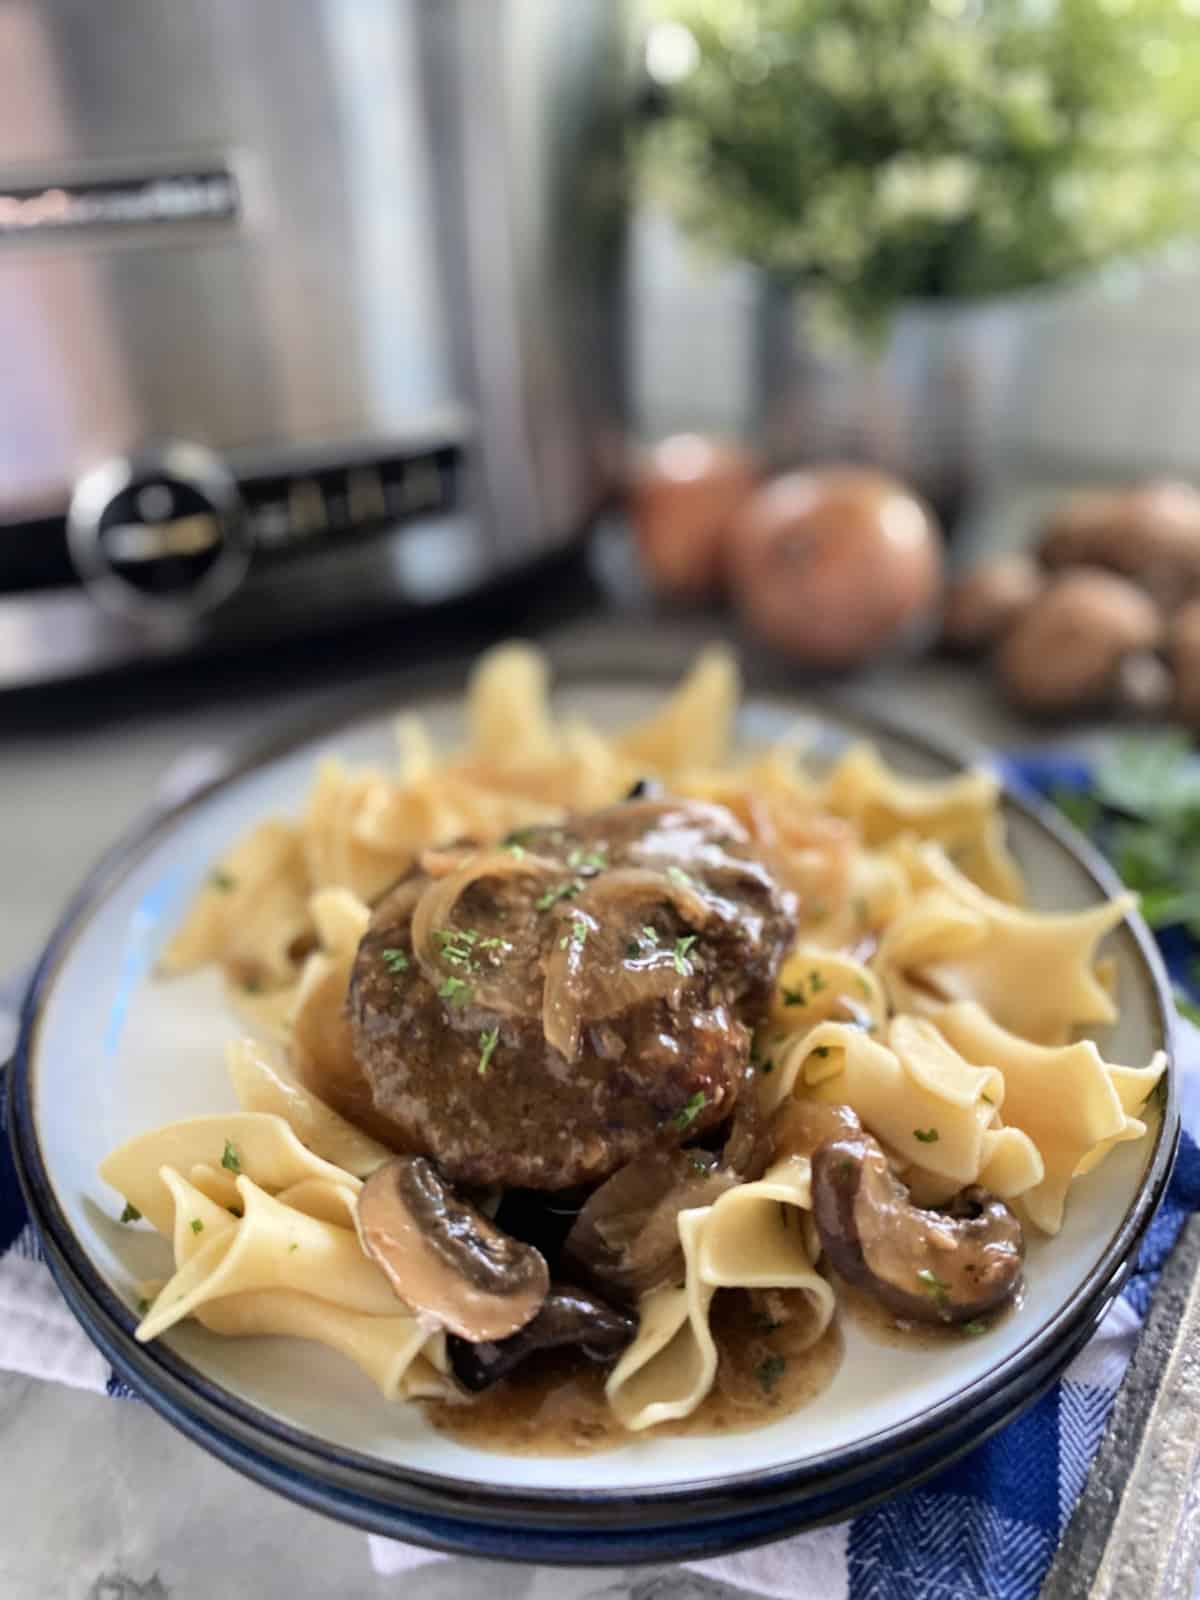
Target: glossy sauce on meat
[(557, 1406), (537, 1015)]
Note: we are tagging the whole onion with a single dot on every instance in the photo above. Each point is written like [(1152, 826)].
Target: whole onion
[(833, 566), (682, 502)]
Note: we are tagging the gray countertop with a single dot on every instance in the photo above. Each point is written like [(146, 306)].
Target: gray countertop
[(101, 1498)]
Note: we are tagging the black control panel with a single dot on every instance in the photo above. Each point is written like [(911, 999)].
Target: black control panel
[(157, 534)]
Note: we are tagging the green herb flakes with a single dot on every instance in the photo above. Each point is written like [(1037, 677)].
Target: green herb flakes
[(973, 1329), (595, 860), (684, 1119), (487, 1048), (131, 1213), (222, 880), (680, 878), (822, 1050), (933, 1285), (793, 997), (517, 850), (769, 1372), (456, 991), (395, 961), (682, 965), (577, 935), (632, 950), (650, 934), (143, 1306), (230, 1159), (293, 1247), (560, 891), (926, 1135), (196, 1225)]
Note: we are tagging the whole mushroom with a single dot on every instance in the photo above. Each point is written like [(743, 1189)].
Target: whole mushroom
[(1149, 533), (1085, 644), (931, 1266), (1183, 651), (984, 603)]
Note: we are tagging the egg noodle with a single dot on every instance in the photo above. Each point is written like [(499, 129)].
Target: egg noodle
[(920, 992)]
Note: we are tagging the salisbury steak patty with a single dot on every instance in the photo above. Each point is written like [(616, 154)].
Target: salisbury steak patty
[(541, 1012)]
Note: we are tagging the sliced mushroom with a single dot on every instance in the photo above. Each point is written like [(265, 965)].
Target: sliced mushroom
[(444, 1258), (930, 1266), (568, 1317)]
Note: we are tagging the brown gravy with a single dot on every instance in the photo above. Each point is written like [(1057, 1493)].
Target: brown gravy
[(556, 1405), (882, 1326)]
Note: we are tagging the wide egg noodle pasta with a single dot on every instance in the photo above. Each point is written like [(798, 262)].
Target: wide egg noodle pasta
[(960, 813), (933, 1109), (396, 1351), (754, 1236), (1032, 971), (1069, 1101), (272, 1246), (250, 912), (263, 1085), (255, 1141)]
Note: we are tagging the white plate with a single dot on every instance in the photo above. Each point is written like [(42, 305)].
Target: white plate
[(108, 1052)]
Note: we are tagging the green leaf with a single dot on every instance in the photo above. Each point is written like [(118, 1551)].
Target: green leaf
[(131, 1214), (684, 1119), (230, 1159)]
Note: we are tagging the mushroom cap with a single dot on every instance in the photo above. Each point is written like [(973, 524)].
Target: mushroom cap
[(930, 1266), (983, 603), (443, 1257), (1065, 651), (1150, 533), (1183, 650)]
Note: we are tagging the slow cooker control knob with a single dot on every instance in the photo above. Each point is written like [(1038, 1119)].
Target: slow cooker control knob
[(161, 534)]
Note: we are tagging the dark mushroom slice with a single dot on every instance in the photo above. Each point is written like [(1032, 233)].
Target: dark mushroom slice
[(569, 1317), (443, 1257), (930, 1266)]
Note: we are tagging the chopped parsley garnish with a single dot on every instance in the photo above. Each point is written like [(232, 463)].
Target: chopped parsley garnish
[(684, 1119), (926, 1135), (682, 965), (577, 935), (933, 1285), (131, 1213), (974, 1328), (793, 997), (769, 1372), (766, 1067), (822, 1050), (220, 879), (196, 1225), (650, 933), (595, 859), (517, 850), (815, 982), (864, 987), (494, 942), (518, 837), (678, 876), (456, 945), (632, 950), (293, 1247), (847, 1165), (143, 1306), (252, 986), (395, 961), (561, 891), (487, 1048), (456, 991), (230, 1159), (987, 1099)]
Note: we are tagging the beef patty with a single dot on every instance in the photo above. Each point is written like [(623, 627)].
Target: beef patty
[(539, 1013)]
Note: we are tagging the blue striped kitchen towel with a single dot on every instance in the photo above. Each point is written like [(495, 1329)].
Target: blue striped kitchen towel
[(984, 1530)]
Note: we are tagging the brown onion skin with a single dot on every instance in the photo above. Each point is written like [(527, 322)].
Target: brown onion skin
[(682, 502), (833, 566)]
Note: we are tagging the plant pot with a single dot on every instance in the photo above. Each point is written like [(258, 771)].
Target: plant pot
[(930, 404)]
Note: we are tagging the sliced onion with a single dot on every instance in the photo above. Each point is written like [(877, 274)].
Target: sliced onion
[(592, 980), (493, 986)]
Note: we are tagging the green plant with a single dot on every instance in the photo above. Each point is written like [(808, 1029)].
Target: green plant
[(883, 150)]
